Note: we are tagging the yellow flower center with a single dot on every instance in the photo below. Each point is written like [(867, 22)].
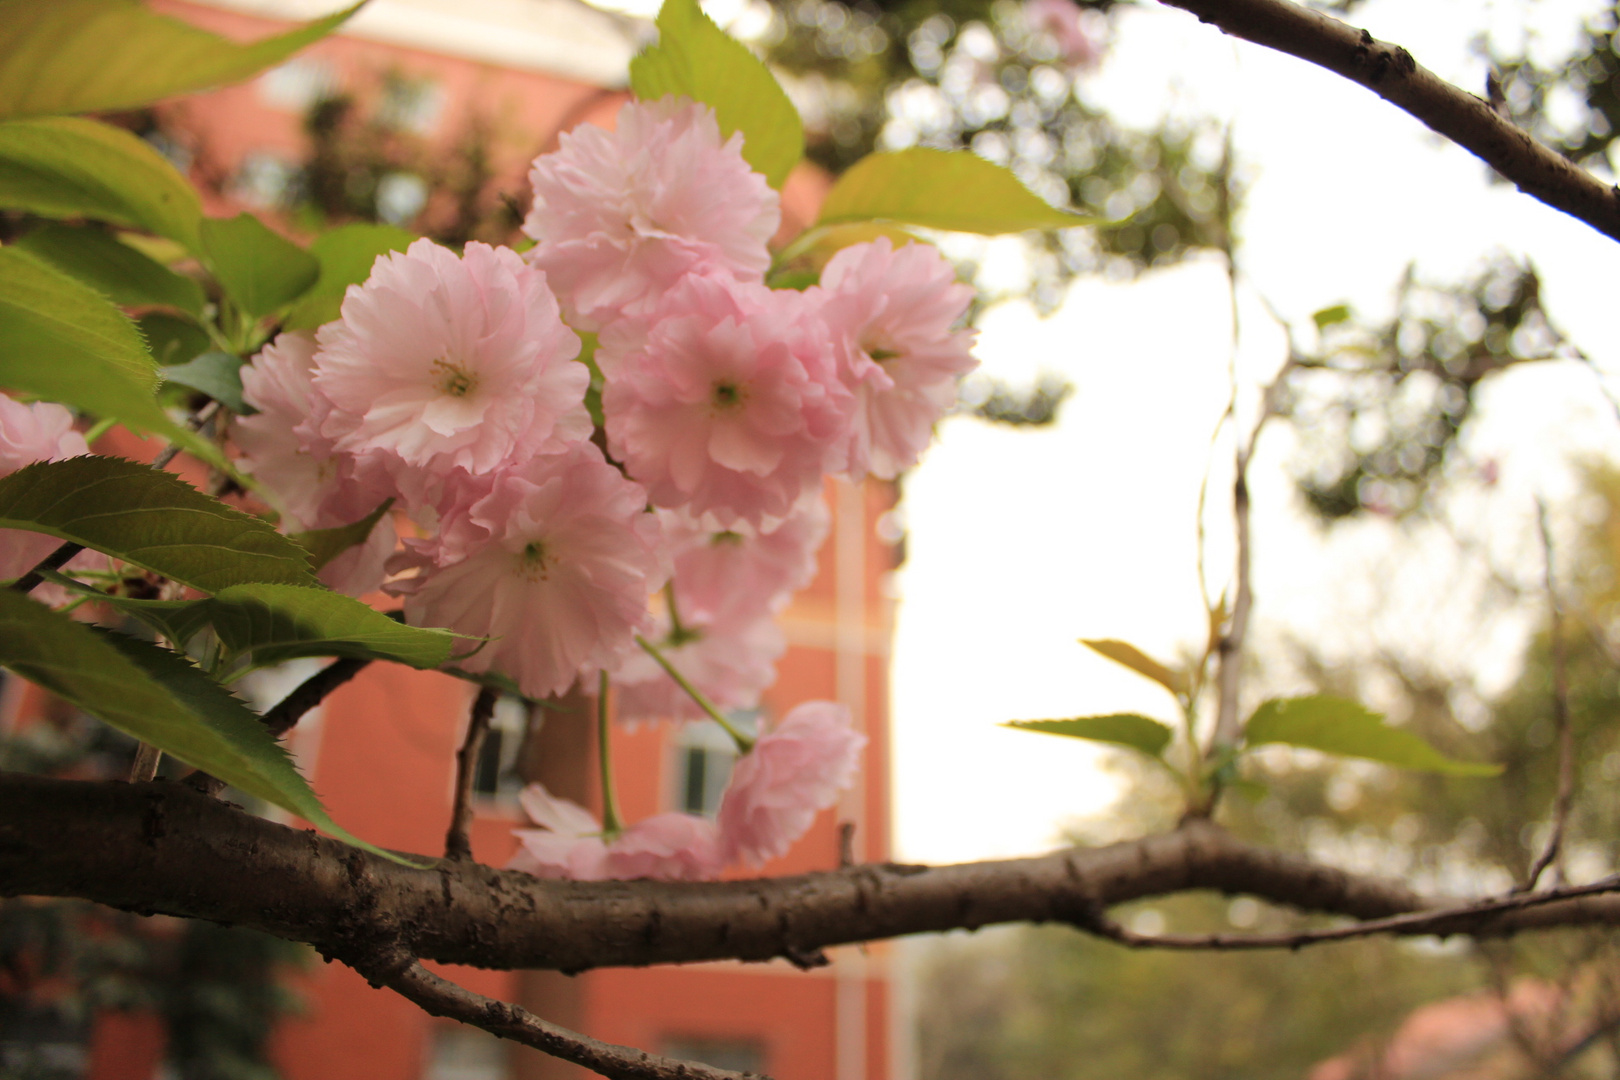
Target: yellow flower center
[(454, 379)]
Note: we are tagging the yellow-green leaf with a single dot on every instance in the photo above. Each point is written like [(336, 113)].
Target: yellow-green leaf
[(1122, 729), (1123, 652), (1335, 725), (954, 190)]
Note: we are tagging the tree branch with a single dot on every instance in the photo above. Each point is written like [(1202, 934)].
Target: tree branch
[(1389, 71), (456, 843), (441, 997), (163, 847)]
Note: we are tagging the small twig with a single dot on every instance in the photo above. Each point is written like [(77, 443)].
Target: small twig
[(440, 997), (145, 765), (64, 554), (846, 843), (1566, 736), (1463, 918), (456, 843)]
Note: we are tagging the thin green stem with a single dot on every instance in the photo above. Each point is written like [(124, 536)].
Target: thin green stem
[(612, 824), (678, 633), (98, 429), (744, 742)]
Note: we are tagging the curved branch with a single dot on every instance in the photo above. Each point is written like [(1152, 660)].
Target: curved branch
[(1389, 71), (163, 847)]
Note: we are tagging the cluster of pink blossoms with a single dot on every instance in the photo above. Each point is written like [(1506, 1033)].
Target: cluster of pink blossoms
[(454, 385)]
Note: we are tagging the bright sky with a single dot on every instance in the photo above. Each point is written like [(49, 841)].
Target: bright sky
[(1023, 541)]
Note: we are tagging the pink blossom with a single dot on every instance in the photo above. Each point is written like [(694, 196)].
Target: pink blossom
[(569, 844), (1078, 43), (29, 433), (446, 362), (895, 310), (732, 665), (621, 215), (729, 578), (560, 580), (728, 403), (794, 771), (305, 478)]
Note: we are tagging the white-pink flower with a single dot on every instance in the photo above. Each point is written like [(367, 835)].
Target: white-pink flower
[(303, 475), (730, 578), (619, 216), (1078, 42), (732, 665), (894, 310), (559, 584), (569, 844), (444, 362), (727, 402), (29, 433), (793, 772)]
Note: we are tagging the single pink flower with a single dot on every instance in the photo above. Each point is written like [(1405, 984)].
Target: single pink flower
[(731, 665), (620, 216), (569, 844), (894, 311), (30, 433), (732, 577), (727, 403), (445, 362), (794, 771), (559, 583)]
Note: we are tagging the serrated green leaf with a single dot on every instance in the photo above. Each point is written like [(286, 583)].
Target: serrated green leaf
[(152, 519), (1123, 729), (69, 167), (116, 270), (1335, 725), (171, 339), (324, 545), (160, 698), (63, 341), (217, 374), (73, 56), (954, 190), (275, 623), (260, 270), (1123, 652), (346, 255), (694, 58)]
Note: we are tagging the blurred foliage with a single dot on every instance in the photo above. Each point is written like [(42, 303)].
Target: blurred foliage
[(1008, 81), (214, 990), (1379, 406), (1054, 1004), (1571, 102)]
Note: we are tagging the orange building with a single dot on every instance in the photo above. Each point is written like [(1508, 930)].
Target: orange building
[(381, 749)]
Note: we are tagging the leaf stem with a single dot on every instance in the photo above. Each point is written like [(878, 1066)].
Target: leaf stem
[(744, 742), (612, 824)]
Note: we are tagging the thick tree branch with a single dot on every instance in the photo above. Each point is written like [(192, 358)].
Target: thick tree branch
[(1390, 72), (441, 997), (162, 847)]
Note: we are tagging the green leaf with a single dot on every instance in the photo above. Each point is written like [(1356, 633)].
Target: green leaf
[(73, 167), (117, 271), (953, 190), (63, 341), (150, 518), (275, 623), (1123, 729), (217, 374), (73, 56), (694, 58), (324, 545), (1336, 725), (1326, 317), (173, 340), (346, 255), (1122, 652), (259, 269), (160, 698)]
